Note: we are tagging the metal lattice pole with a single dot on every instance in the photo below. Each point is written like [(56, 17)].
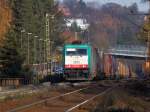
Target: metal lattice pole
[(47, 46), (35, 49), (40, 55), (28, 54), (21, 39)]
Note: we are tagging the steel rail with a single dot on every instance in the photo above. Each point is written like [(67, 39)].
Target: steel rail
[(88, 100), (45, 100)]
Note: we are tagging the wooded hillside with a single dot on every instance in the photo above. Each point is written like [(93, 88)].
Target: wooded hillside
[(111, 23)]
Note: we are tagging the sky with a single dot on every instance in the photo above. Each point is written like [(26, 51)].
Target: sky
[(141, 6)]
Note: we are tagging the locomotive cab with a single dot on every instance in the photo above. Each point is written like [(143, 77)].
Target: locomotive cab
[(76, 62), (80, 61)]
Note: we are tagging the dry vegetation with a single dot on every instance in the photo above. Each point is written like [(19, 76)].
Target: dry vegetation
[(131, 97), (127, 96), (5, 18)]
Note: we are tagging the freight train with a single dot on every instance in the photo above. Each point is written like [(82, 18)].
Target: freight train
[(81, 62)]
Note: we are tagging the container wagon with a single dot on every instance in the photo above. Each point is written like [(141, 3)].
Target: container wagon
[(81, 62)]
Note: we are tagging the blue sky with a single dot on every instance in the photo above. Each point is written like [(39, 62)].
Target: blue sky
[(142, 6)]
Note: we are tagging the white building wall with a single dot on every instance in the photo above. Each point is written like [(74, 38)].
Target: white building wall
[(82, 23)]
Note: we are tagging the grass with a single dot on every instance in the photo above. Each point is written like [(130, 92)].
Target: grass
[(121, 101), (128, 97), (22, 96)]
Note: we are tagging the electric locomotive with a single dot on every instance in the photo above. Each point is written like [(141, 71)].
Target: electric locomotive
[(81, 62)]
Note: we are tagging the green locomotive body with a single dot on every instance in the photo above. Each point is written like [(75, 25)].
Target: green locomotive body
[(81, 62)]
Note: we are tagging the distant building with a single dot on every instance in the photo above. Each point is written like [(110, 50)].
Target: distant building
[(82, 23)]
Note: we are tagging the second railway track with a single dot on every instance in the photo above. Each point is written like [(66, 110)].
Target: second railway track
[(65, 102)]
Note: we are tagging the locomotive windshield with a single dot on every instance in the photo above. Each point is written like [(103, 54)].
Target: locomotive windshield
[(76, 52)]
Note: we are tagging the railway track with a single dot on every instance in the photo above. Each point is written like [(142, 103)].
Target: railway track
[(43, 101), (86, 101), (66, 102)]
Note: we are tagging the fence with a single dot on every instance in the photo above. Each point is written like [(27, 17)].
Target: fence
[(10, 82)]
